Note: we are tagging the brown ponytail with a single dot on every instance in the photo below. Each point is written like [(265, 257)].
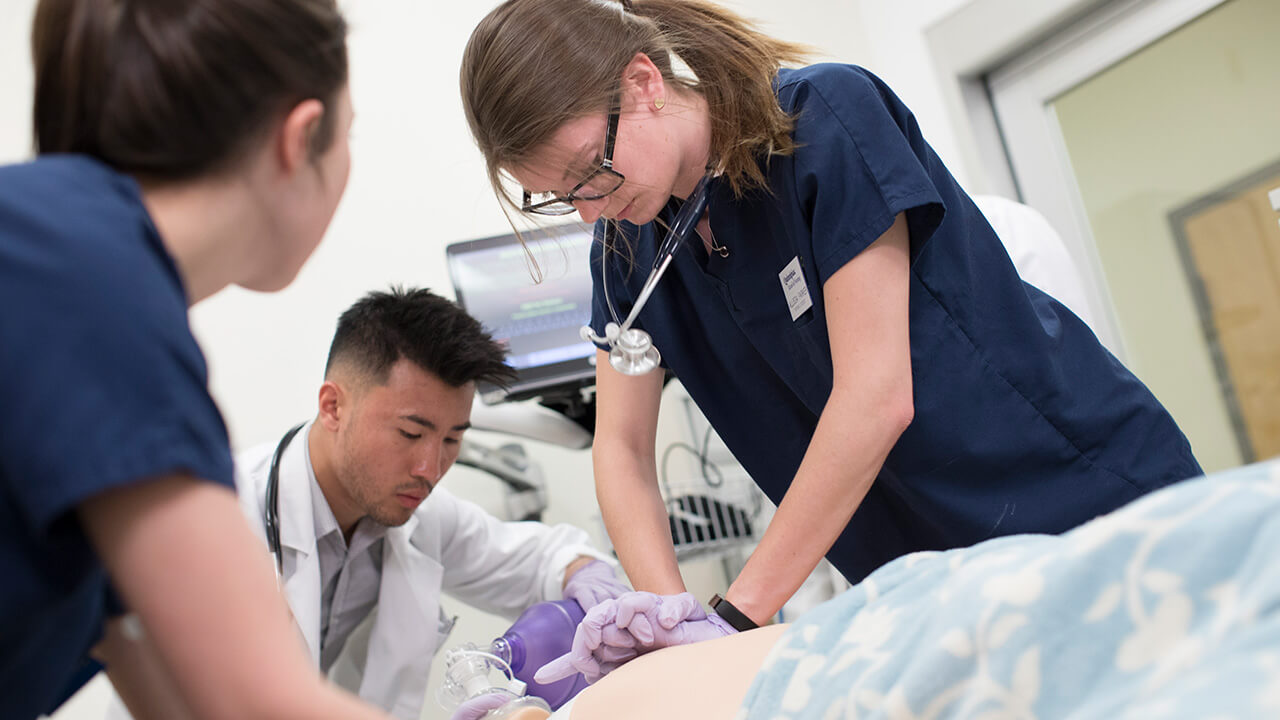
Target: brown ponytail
[(533, 65), (174, 90)]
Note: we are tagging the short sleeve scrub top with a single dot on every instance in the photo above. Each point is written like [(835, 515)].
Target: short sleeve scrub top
[(1023, 421), (101, 385)]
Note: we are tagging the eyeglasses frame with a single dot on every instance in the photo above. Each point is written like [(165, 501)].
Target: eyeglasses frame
[(605, 168)]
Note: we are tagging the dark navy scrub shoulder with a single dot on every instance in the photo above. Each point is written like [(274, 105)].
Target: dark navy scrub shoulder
[(103, 385), (1023, 421)]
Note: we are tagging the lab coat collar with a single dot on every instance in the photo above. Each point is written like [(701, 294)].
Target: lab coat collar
[(404, 635), (297, 526), (298, 540)]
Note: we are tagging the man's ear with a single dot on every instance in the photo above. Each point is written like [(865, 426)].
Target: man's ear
[(642, 83), (294, 138), (333, 403)]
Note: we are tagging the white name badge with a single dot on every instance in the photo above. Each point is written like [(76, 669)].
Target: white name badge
[(794, 287)]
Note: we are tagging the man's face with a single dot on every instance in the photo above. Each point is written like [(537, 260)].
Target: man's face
[(398, 440)]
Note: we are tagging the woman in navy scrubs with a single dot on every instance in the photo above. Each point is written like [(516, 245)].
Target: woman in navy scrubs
[(845, 317), (183, 147)]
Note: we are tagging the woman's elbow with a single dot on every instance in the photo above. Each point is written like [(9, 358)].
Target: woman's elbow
[(891, 404), (900, 411), (898, 405)]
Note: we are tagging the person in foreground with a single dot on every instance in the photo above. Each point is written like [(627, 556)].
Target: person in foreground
[(360, 523), (183, 147), (1166, 608), (843, 314)]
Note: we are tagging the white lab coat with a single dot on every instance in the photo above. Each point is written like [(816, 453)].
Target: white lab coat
[(448, 545)]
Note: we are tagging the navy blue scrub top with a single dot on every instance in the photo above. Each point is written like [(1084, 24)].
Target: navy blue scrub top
[(103, 385), (1023, 421)]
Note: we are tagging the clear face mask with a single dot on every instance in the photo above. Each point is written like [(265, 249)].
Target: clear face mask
[(471, 672)]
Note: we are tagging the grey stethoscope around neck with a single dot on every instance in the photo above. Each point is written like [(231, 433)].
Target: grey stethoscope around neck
[(631, 350)]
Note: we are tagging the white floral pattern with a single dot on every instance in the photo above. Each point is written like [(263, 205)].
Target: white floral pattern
[(1166, 608)]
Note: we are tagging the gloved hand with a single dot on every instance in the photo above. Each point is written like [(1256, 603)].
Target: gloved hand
[(599, 647), (658, 621), (618, 630), (476, 707), (594, 583)]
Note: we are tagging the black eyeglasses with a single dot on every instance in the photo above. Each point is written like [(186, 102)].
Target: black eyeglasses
[(602, 182)]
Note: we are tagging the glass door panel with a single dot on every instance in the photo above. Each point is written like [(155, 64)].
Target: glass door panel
[(1160, 152)]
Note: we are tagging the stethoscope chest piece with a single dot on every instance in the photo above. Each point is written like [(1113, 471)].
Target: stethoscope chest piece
[(633, 352)]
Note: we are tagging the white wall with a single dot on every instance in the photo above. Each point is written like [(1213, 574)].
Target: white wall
[(15, 79), (898, 53)]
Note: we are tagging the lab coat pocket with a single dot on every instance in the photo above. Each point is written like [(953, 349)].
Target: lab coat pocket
[(444, 628)]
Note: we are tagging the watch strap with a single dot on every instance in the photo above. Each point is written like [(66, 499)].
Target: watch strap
[(732, 615)]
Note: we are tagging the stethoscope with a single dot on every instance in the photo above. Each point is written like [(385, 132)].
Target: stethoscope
[(631, 350), (272, 513)]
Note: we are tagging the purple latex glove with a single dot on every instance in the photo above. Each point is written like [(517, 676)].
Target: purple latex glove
[(618, 630), (599, 647), (594, 583), (658, 621), (476, 707)]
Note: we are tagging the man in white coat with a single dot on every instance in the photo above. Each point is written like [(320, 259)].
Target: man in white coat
[(363, 526)]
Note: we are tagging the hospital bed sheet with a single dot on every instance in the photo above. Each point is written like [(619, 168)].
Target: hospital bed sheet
[(1168, 607)]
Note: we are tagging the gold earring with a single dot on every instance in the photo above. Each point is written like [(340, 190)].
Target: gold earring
[(658, 103)]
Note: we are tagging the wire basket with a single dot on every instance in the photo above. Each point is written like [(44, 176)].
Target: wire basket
[(711, 519), (713, 506)]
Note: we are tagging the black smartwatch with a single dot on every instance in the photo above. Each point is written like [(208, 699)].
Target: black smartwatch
[(732, 615)]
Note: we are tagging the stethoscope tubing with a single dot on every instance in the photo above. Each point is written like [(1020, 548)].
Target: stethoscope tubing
[(271, 514), (681, 228)]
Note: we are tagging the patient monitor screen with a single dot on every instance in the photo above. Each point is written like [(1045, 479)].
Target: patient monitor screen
[(538, 322)]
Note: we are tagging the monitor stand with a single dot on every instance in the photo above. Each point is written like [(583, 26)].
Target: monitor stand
[(576, 404)]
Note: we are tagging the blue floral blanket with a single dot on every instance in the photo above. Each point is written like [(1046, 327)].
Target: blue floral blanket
[(1166, 608)]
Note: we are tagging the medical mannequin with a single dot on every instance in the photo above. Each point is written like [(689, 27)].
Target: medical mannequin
[(707, 681), (1166, 607), (528, 714)]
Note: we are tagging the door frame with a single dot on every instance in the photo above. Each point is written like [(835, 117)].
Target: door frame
[(1001, 62)]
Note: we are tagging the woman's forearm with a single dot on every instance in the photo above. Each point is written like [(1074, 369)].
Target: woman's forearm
[(848, 448), (636, 518), (180, 553), (870, 405), (623, 460)]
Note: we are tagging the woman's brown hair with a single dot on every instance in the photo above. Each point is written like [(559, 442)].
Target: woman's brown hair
[(533, 65), (174, 90)]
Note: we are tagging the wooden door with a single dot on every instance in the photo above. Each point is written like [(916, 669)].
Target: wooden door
[(1233, 249)]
